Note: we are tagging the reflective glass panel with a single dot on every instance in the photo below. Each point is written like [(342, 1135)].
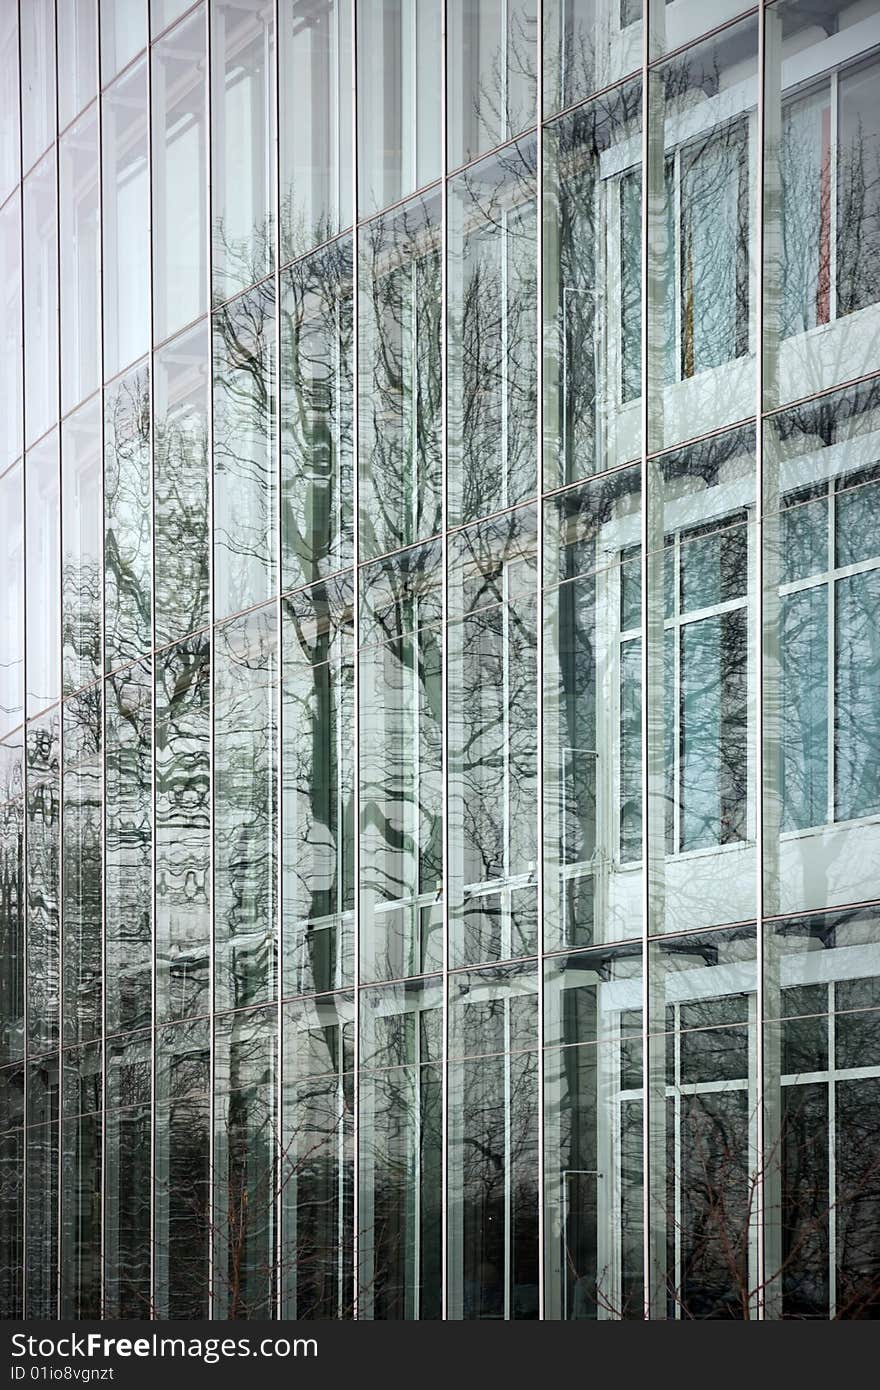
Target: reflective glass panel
[(491, 88), (183, 829), (401, 864), (41, 1189), (245, 799), (702, 163), (317, 1164), (128, 915), (123, 34), (81, 546), (43, 877), (245, 1164), (10, 333), (821, 652), (10, 128), (43, 574), (592, 712), (492, 1228), (181, 485), (127, 518), (80, 1168), (79, 231), (244, 453), (12, 908), (81, 897), (400, 1157), (127, 1184), (317, 691), (398, 46), (492, 693), (78, 50), (126, 220), (592, 287), (492, 334), (41, 298), (11, 601), (243, 143), (399, 368), (182, 1202), (588, 44), (315, 119), (180, 176), (37, 39), (316, 415)]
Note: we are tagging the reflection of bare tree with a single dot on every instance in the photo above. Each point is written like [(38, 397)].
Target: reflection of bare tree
[(316, 417), (127, 510)]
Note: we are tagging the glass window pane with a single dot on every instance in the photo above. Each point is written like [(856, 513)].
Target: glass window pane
[(79, 230), (493, 1139), (41, 1189), (180, 176), (81, 898), (400, 1158), (123, 34), (244, 452), (37, 20), (401, 865), (820, 610), (588, 45), (10, 335), (701, 674), (43, 879), (493, 740), (10, 151), (127, 519), (398, 45), (127, 1182), (317, 788), (316, 416), (78, 49), (181, 483), (491, 74), (245, 823), (81, 1136), (41, 299), (128, 840), (183, 829), (43, 575), (164, 12), (243, 143), (592, 735), (400, 378), (858, 206), (11, 601), (182, 1211), (492, 334), (315, 119), (12, 907), (317, 1158), (592, 374), (81, 547), (700, 306), (126, 221), (12, 1167), (245, 1173)]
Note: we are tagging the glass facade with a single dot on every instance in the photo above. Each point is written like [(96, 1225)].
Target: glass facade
[(440, 659)]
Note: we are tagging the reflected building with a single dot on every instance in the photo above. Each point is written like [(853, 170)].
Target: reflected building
[(440, 659)]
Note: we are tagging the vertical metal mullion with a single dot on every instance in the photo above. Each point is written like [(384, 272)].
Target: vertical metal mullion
[(212, 1063), (103, 685), (151, 387), (831, 655), (539, 638), (275, 104), (760, 1156), (832, 1150), (356, 795), (24, 693), (647, 1271), (444, 672), (834, 163), (61, 721)]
